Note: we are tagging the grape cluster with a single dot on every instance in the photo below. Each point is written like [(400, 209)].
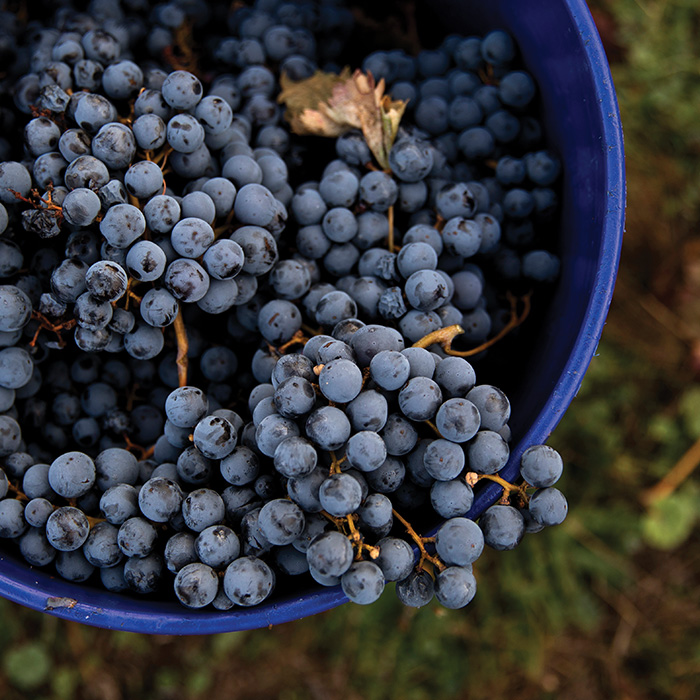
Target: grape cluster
[(226, 351)]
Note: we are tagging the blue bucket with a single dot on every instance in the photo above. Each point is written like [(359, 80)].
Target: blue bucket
[(561, 47)]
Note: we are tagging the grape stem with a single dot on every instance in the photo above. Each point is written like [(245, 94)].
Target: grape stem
[(297, 339), (182, 347), (335, 464), (433, 427), (445, 336), (390, 238), (21, 496), (683, 468), (56, 328), (180, 54), (420, 543), (507, 487), (143, 452)]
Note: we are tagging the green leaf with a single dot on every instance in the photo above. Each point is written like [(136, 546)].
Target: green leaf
[(669, 522), (689, 407), (64, 683), (28, 666)]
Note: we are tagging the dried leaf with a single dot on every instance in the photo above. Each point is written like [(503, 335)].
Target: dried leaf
[(305, 96), (329, 105)]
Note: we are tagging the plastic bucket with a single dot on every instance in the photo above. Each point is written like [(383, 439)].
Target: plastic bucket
[(561, 47)]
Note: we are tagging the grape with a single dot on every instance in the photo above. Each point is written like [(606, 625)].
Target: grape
[(202, 508), (290, 279), (143, 179), (541, 466), (340, 495), (492, 404), (182, 90), (35, 547), (334, 307), (13, 176), (399, 435), (388, 477), (15, 308), (458, 420), (191, 193), (278, 321), (294, 397), (101, 548), (81, 207), (414, 257), (271, 431), (10, 435), (217, 546), (459, 541), (119, 503), (366, 451), (330, 554), (143, 574), (37, 512), (416, 590), (187, 280), (340, 380), (12, 522), (503, 527), (196, 585), (67, 528), (455, 587), (328, 427), (548, 506), (281, 521), (179, 551), (214, 437), (259, 248), (161, 212), (420, 399), (72, 474), (146, 261), (160, 499), (185, 406), (122, 225), (363, 582), (248, 581)]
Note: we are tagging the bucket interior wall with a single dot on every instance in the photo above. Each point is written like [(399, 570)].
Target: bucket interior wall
[(560, 46)]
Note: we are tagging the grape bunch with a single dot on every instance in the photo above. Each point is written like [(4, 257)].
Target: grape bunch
[(233, 355)]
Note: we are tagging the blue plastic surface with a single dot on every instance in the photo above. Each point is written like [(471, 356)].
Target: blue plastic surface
[(560, 45)]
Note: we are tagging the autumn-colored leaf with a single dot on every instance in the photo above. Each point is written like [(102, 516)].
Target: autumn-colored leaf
[(305, 95), (327, 104)]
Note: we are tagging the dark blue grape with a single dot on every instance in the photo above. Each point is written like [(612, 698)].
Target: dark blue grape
[(420, 399), (72, 474), (452, 498), (328, 427), (143, 574), (196, 585), (248, 581), (548, 506), (493, 406), (503, 527), (459, 541), (455, 587), (340, 495), (541, 466), (363, 582), (416, 590), (67, 528), (119, 503), (217, 546), (101, 548)]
